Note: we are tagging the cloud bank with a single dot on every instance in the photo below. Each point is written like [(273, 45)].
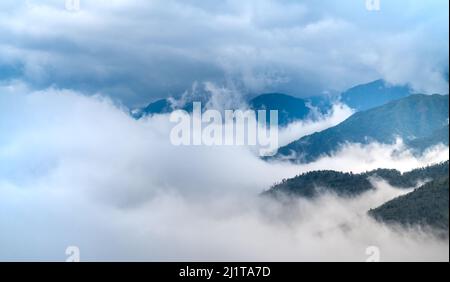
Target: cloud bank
[(78, 170)]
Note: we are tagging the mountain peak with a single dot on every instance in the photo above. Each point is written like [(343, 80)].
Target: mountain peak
[(373, 94), (289, 108)]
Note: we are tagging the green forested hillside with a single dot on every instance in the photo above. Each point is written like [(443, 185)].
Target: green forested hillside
[(350, 184), (426, 206)]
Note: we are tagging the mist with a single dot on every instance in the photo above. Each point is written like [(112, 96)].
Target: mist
[(78, 170)]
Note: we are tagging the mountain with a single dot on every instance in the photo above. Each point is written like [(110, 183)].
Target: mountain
[(440, 135), (289, 108), (162, 106), (373, 94), (426, 206), (323, 103), (361, 97), (419, 118), (343, 184)]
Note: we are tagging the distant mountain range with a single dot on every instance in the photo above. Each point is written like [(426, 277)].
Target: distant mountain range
[(426, 206), (420, 120), (292, 108), (384, 113), (289, 108), (373, 94)]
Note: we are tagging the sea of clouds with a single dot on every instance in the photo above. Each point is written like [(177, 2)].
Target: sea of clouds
[(77, 170)]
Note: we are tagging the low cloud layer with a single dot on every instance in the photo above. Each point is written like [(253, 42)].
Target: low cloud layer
[(136, 51), (77, 170), (296, 130)]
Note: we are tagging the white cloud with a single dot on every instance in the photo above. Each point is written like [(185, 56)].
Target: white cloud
[(296, 130), (79, 171), (356, 157)]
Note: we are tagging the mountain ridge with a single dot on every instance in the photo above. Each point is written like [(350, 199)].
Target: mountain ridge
[(373, 94), (348, 184), (293, 108), (411, 118)]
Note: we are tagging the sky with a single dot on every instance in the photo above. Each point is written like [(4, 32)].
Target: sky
[(137, 51)]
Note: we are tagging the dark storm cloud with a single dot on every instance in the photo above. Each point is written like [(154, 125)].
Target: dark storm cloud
[(137, 51)]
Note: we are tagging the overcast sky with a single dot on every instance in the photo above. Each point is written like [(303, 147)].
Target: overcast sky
[(136, 51)]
